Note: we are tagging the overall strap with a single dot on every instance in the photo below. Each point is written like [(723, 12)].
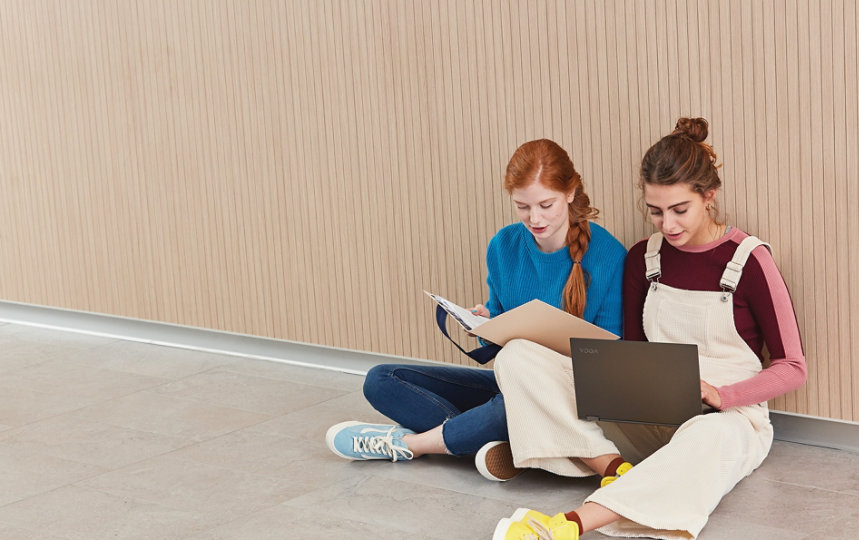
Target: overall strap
[(734, 268), (653, 267)]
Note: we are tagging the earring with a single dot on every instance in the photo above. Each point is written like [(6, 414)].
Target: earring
[(708, 207)]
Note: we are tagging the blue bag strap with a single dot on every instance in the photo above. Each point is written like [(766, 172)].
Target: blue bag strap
[(481, 355)]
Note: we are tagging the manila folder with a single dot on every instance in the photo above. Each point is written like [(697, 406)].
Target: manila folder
[(541, 323)]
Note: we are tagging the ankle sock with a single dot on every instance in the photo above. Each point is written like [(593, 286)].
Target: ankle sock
[(573, 516), (611, 470)]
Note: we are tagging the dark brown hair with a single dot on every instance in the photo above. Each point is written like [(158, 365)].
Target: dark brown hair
[(546, 162), (682, 156)]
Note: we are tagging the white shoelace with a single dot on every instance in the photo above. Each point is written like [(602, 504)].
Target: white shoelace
[(382, 445), (542, 532)]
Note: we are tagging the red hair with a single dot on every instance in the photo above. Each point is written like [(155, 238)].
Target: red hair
[(544, 161)]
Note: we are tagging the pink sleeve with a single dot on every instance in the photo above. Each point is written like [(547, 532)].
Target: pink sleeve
[(773, 310)]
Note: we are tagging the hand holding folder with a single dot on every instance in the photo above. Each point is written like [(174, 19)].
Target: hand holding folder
[(535, 321)]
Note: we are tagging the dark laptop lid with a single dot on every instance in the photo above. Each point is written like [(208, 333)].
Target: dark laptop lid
[(636, 381)]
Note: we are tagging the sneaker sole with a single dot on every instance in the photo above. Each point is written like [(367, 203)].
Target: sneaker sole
[(495, 462), (332, 432), (501, 529)]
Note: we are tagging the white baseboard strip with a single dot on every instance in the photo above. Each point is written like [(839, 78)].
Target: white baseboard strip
[(791, 427), (194, 338)]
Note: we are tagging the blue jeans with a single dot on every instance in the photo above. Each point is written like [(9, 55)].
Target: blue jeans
[(467, 401)]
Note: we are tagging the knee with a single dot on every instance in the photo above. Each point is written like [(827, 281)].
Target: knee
[(515, 348), (718, 430), (497, 409), (376, 379)]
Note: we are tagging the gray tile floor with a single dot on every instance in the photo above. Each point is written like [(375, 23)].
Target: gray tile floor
[(103, 438)]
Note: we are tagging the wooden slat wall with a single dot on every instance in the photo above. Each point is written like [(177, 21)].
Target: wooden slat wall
[(303, 169)]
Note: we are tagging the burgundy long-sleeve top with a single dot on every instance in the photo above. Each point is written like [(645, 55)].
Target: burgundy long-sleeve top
[(763, 311)]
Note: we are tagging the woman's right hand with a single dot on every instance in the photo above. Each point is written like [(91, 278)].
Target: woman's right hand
[(480, 310)]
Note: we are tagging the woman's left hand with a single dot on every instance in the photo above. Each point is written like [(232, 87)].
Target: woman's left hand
[(710, 395)]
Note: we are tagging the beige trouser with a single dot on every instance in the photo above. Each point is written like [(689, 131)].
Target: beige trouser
[(537, 384)]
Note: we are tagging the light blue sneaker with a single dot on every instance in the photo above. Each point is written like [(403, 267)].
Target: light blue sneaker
[(358, 440)]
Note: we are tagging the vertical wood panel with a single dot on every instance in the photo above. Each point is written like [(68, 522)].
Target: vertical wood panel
[(850, 387), (302, 170)]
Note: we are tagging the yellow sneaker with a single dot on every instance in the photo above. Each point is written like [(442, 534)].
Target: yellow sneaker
[(524, 515), (507, 529), (622, 469), (527, 524)]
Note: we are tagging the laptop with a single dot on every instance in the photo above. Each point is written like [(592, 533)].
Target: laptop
[(637, 382)]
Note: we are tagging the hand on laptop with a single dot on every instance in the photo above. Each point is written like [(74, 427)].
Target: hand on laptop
[(710, 395)]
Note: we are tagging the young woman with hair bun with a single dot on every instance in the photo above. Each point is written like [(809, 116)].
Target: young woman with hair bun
[(696, 280), (555, 254)]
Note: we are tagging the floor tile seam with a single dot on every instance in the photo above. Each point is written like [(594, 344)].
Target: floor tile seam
[(182, 378), (118, 396), (182, 459), (301, 383), (111, 469), (72, 484), (22, 368), (266, 378), (332, 386), (376, 522), (205, 401), (422, 485), (310, 386), (194, 442), (324, 403), (410, 533), (72, 414), (107, 469), (574, 484), (39, 393), (66, 349), (161, 380), (132, 498), (194, 439), (169, 454), (35, 532), (186, 399), (371, 523), (348, 393), (300, 410), (75, 413), (816, 488), (4, 434), (295, 438), (279, 499), (164, 379)]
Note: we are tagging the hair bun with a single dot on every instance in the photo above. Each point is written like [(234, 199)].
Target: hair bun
[(694, 128)]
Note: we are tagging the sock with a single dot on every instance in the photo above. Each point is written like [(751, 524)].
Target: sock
[(612, 467), (572, 516)]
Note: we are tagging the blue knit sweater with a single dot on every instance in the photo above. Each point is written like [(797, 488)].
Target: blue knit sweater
[(519, 272)]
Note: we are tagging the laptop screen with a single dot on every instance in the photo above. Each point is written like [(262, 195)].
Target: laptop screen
[(636, 381)]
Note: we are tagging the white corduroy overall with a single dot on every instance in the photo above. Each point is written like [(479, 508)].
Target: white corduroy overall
[(671, 493)]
